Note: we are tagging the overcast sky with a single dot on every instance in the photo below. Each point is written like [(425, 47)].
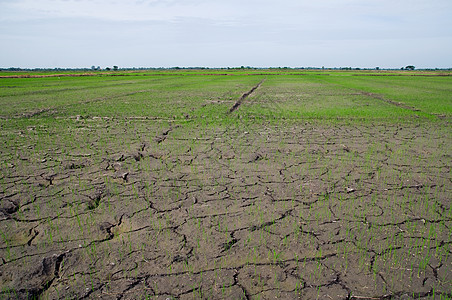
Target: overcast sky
[(222, 33)]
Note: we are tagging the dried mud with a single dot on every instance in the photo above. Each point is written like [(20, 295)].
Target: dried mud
[(300, 211)]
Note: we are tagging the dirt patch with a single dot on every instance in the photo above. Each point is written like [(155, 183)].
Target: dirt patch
[(323, 213)]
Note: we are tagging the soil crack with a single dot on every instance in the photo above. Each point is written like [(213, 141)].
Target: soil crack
[(244, 96)]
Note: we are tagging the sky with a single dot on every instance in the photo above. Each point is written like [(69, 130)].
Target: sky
[(225, 33)]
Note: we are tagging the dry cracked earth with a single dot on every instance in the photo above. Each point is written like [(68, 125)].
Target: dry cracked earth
[(137, 209)]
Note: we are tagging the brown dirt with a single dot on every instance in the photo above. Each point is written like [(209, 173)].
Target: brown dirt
[(308, 211)]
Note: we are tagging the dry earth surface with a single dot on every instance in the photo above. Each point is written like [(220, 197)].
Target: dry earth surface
[(144, 207)]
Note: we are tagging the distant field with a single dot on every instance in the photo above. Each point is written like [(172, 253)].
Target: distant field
[(246, 71), (226, 184)]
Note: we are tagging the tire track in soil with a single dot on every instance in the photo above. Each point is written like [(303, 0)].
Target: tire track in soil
[(389, 101), (244, 96), (396, 103), (56, 109), (401, 105)]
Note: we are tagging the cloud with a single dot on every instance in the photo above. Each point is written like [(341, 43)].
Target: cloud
[(112, 10), (294, 13), (217, 32), (284, 10)]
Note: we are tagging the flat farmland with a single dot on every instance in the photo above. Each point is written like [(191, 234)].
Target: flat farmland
[(215, 184)]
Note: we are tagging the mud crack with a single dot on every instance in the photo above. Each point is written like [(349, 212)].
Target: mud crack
[(162, 136)]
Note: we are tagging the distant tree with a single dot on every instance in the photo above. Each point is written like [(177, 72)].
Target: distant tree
[(409, 68), (115, 68), (108, 68), (377, 68), (93, 68)]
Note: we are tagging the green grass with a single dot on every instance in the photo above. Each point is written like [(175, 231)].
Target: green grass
[(313, 97), (431, 95), (295, 97)]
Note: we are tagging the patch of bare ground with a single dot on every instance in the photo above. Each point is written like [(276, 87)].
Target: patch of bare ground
[(302, 211)]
